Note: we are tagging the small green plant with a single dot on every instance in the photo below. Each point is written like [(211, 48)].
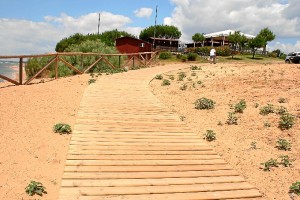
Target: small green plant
[(267, 124), (92, 75), (270, 163), (159, 77), (265, 110), (204, 104), (210, 135), (195, 67), (62, 128), (286, 161), (231, 119), (240, 107), (192, 56), (92, 80), (282, 110), (283, 144), (165, 55), (183, 87), (286, 121), (181, 76), (295, 188), (35, 188), (253, 145), (199, 82), (171, 77), (166, 82), (282, 100)]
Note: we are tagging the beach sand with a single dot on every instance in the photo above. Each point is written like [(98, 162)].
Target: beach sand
[(29, 149)]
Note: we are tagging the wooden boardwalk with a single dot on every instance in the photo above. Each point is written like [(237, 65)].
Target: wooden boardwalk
[(127, 145)]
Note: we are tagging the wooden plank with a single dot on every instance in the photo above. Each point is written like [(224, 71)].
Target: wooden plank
[(102, 191), (184, 196), (136, 152), (142, 157), (146, 175), (149, 168), (144, 162), (149, 182)]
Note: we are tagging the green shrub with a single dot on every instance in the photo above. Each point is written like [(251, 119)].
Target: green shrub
[(195, 67), (295, 188), (283, 144), (270, 163), (183, 58), (166, 82), (192, 56), (265, 110), (282, 110), (62, 128), (92, 80), (35, 188), (165, 55), (210, 135), (183, 87), (286, 121), (231, 119), (181, 76), (286, 161), (204, 103), (171, 77), (240, 107), (159, 77)]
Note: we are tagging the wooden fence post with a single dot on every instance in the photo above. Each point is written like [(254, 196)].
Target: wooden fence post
[(56, 66), (119, 61), (21, 71), (133, 62)]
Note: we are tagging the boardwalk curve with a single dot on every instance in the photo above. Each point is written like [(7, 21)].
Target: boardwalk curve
[(127, 145)]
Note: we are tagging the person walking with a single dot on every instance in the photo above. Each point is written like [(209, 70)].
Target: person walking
[(212, 55)]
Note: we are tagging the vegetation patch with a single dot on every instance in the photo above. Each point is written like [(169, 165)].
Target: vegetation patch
[(210, 135), (283, 144), (240, 107), (204, 104), (265, 110), (295, 188), (92, 80), (286, 161), (270, 163), (35, 188), (181, 76), (286, 121), (166, 82), (231, 119), (159, 77), (62, 128)]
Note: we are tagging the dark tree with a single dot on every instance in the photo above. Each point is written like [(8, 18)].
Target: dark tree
[(161, 31), (198, 37), (256, 43), (267, 36)]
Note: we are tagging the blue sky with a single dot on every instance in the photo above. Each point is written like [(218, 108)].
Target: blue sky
[(35, 26)]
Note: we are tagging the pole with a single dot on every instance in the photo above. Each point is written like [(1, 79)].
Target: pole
[(155, 27), (99, 22)]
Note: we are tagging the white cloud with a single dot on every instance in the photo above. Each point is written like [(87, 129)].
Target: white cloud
[(143, 12), (285, 47), (28, 37)]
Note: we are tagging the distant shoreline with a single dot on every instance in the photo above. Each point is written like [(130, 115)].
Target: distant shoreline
[(14, 75)]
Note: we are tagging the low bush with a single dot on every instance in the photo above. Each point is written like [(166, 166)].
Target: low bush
[(181, 76), (286, 161), (35, 188), (282, 100), (166, 82), (240, 107), (159, 77), (286, 121), (165, 55), (283, 144), (265, 110), (295, 188), (92, 80), (210, 135), (204, 103), (231, 119), (270, 163), (62, 128), (192, 56)]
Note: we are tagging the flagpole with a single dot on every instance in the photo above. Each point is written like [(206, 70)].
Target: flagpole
[(155, 27), (99, 22)]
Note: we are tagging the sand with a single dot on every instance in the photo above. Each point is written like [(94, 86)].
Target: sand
[(227, 84), (29, 149)]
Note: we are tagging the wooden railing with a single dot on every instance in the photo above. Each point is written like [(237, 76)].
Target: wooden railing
[(144, 59)]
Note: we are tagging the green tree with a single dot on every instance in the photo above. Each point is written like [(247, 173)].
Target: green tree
[(238, 41), (267, 36), (161, 31), (109, 37), (198, 37), (256, 43)]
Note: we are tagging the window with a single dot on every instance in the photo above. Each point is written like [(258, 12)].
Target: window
[(142, 45)]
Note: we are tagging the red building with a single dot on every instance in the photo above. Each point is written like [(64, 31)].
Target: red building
[(132, 45)]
